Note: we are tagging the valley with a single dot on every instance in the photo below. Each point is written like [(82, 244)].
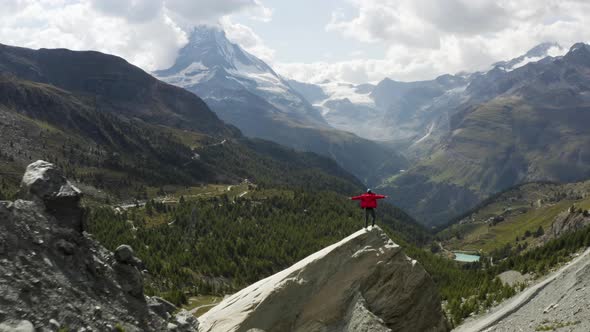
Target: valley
[(213, 229), (214, 193), (246, 92), (519, 217)]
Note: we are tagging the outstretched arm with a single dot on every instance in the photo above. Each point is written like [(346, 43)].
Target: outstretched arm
[(355, 198), (380, 196)]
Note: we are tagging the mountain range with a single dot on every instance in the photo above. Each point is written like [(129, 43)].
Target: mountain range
[(463, 137), (405, 113), (191, 175), (112, 126), (520, 125), (470, 135), (246, 92)]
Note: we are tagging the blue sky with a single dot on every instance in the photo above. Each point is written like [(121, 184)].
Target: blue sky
[(297, 32)]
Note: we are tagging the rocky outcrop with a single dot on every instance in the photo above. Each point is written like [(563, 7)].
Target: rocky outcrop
[(127, 272), (559, 302), (161, 307), (363, 283), (17, 326), (53, 275), (568, 221), (44, 183)]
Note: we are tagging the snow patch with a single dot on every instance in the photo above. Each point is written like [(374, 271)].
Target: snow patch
[(339, 91), (430, 129)]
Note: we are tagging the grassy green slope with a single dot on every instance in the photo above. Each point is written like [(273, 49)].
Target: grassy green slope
[(506, 141), (127, 156), (522, 209), (519, 126)]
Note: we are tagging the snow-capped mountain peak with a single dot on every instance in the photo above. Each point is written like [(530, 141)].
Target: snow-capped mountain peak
[(212, 66), (209, 49), (537, 53)]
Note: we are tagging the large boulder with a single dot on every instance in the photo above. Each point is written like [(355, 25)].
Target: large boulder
[(54, 277), (124, 254), (161, 307), (130, 279), (128, 274), (44, 182), (17, 326), (362, 283)]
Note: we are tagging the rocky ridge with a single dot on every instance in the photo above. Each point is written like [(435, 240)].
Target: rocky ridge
[(571, 220), (246, 92), (54, 276), (363, 283), (560, 302)]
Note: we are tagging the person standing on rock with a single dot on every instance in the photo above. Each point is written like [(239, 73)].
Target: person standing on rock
[(369, 204)]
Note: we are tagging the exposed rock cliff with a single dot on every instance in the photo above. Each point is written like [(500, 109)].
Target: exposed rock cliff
[(53, 275), (363, 283), (560, 302), (568, 221)]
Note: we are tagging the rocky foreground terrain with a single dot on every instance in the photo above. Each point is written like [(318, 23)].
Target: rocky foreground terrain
[(362, 283), (561, 302), (54, 276)]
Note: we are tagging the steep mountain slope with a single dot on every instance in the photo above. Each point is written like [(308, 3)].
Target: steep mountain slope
[(556, 303), (520, 217), (350, 107), (246, 92), (363, 283), (223, 243), (213, 67), (111, 84), (115, 127), (522, 125), (55, 277), (310, 92), (403, 114), (408, 113), (535, 54)]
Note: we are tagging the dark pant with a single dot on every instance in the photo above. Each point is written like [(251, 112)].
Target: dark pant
[(370, 211)]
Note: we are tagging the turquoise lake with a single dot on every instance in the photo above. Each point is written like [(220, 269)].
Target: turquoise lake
[(460, 257)]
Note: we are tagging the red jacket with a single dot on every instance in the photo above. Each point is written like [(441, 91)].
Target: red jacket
[(368, 201)]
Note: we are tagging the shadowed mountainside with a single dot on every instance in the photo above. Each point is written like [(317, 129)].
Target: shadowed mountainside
[(111, 125)]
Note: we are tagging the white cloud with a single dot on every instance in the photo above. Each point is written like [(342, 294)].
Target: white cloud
[(148, 33), (426, 38), (261, 12), (188, 12), (247, 39), (423, 38), (134, 11)]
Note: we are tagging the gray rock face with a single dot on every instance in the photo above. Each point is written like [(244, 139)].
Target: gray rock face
[(363, 283), (124, 254), (17, 326), (45, 183), (568, 221), (51, 274), (127, 271), (560, 302), (361, 319), (185, 321), (161, 307), (130, 279)]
